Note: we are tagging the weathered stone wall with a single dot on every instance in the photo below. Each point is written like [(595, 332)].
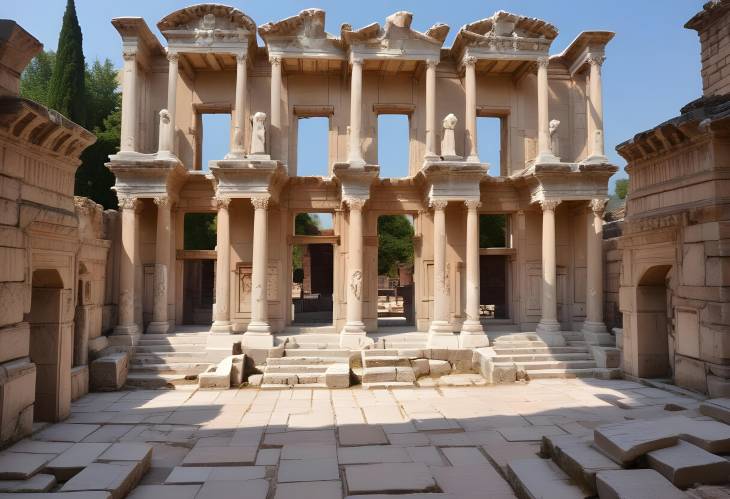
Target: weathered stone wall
[(713, 26), (612, 257)]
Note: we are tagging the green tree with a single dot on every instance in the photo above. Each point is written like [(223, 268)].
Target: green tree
[(395, 243), (35, 77), (200, 231), (66, 92), (621, 189), (102, 95), (492, 231), (305, 224), (93, 179)]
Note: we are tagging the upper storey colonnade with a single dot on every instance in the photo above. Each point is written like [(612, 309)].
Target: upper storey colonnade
[(211, 37)]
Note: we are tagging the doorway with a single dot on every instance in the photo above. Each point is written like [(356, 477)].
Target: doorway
[(199, 267), (493, 287), (654, 320), (396, 305)]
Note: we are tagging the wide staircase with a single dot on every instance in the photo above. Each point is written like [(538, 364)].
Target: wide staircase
[(538, 360), (162, 360)]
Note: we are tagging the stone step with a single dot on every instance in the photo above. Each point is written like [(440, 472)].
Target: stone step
[(315, 352), (299, 361), (540, 365), (520, 358), (537, 350), (275, 386), (172, 341), (292, 379), (308, 329), (541, 478), (183, 348), (152, 381), (388, 374), (379, 352), (580, 343), (560, 373), (296, 369), (386, 361), (168, 357), (172, 368), (519, 344), (578, 458)]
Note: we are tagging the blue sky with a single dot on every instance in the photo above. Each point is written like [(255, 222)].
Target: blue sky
[(651, 70)]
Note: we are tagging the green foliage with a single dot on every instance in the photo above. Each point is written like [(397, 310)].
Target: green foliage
[(306, 224), (621, 189), (35, 77), (102, 97), (200, 231), (492, 231), (93, 179), (395, 243), (66, 92)]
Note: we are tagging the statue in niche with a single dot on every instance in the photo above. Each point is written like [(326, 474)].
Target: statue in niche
[(258, 134), (448, 143), (554, 140), (164, 132), (356, 284)]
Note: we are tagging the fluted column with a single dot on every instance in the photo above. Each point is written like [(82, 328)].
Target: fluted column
[(221, 312), (440, 334), (258, 333), (353, 333), (471, 108), (431, 109), (595, 96), (355, 152), (173, 58), (275, 148), (472, 333), (594, 329), (549, 328), (239, 116), (128, 141), (159, 322), (544, 148), (127, 266)]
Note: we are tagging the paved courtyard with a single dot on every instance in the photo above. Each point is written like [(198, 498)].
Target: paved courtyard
[(248, 443)]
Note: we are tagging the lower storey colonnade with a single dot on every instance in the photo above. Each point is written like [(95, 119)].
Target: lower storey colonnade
[(356, 278)]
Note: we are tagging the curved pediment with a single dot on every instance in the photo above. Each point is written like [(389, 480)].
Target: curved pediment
[(206, 24)]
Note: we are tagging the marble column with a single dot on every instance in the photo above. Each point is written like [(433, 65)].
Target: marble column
[(355, 151), (353, 334), (173, 58), (594, 329), (275, 148), (127, 267), (595, 96), (239, 116), (258, 333), (544, 147), (472, 332), (431, 109), (471, 108), (160, 322), (549, 328), (128, 142), (221, 310), (440, 334)]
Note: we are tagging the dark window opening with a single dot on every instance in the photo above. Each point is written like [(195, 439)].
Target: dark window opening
[(200, 231), (493, 231)]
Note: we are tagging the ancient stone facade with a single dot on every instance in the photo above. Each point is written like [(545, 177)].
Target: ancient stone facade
[(675, 268), (53, 255), (551, 188)]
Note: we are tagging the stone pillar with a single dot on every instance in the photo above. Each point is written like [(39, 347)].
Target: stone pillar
[(431, 109), (172, 57), (221, 313), (353, 334), (159, 322), (239, 120), (595, 116), (544, 148), (471, 108), (275, 148), (128, 141), (355, 152), (440, 334), (258, 333), (472, 332), (127, 267), (594, 330), (549, 328)]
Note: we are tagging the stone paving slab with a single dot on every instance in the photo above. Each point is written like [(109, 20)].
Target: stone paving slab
[(362, 435), (465, 456), (128, 452), (373, 454), (625, 442), (185, 475), (117, 478), (95, 494), (636, 484), (36, 447), (578, 459), (542, 479), (36, 483), (76, 458), (718, 408), (164, 492), (221, 456), (310, 490), (389, 478), (21, 466), (309, 470), (309, 451), (472, 482), (300, 437), (406, 496), (686, 464), (249, 489), (713, 436), (529, 433), (66, 432)]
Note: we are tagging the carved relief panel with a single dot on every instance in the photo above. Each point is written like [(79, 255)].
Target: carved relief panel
[(244, 272)]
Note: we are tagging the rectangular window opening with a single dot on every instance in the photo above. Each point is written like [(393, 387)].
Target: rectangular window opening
[(393, 145), (199, 231), (494, 231), (489, 140), (313, 146), (396, 252), (214, 137), (313, 224)]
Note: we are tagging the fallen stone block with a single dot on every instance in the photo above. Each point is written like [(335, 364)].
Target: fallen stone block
[(438, 367), (379, 374), (404, 374), (606, 357), (718, 408), (390, 477), (337, 376), (541, 479), (686, 464), (578, 459), (116, 478), (636, 484), (420, 367), (255, 379), (21, 466), (625, 442), (75, 459), (36, 483), (712, 436), (109, 373)]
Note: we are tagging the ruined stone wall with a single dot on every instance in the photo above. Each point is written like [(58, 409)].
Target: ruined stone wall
[(713, 26)]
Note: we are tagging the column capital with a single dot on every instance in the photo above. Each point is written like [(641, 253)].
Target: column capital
[(543, 61), (473, 204), (261, 202), (356, 59), (596, 59), (173, 57), (127, 202), (438, 204), (598, 205), (163, 201), (275, 60), (431, 63), (241, 58), (354, 203), (222, 202), (129, 54), (470, 60), (550, 204)]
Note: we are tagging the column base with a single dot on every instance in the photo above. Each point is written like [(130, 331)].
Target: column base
[(354, 341), (257, 340), (158, 327), (549, 332), (441, 335), (221, 327), (356, 162), (472, 159), (595, 333), (546, 159), (472, 335), (596, 160), (126, 330)]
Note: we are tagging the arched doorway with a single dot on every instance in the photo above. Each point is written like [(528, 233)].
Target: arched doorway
[(51, 344), (653, 311)]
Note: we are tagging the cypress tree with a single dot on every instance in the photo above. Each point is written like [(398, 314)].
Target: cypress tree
[(66, 90)]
